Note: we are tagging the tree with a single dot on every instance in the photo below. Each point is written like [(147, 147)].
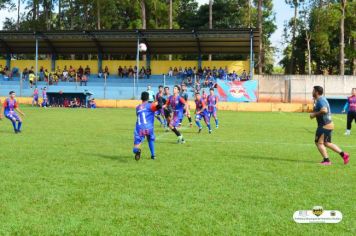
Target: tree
[(260, 44), (342, 38)]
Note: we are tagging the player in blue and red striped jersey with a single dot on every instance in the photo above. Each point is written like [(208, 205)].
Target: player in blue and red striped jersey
[(178, 104), (160, 113), (35, 97), (212, 102), (8, 108), (44, 97), (145, 113), (184, 95), (201, 112)]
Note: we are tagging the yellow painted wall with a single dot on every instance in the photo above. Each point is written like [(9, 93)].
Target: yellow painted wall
[(158, 67), (2, 63), (162, 67), (93, 64), (22, 64), (237, 66)]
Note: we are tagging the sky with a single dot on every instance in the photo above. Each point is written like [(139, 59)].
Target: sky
[(282, 10)]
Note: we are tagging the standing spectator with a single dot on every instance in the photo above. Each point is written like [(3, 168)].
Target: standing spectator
[(175, 71), (142, 72), (170, 72), (65, 74), (243, 75), (131, 72), (125, 72), (151, 97), (71, 74), (83, 80), (100, 73)]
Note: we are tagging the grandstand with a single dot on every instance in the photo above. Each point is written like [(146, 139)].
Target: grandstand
[(242, 41)]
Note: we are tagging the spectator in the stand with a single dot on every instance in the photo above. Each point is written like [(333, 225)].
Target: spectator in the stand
[(41, 74), (31, 78), (142, 72), (66, 102), (195, 71), (25, 74), (131, 72), (100, 73), (106, 71), (180, 72), (175, 71), (71, 72), (221, 73), (135, 70), (226, 70), (120, 72), (80, 71), (214, 72), (87, 71), (148, 72), (234, 76), (125, 72), (1, 70), (74, 103), (92, 103), (65, 74), (84, 80), (46, 75), (200, 72), (243, 75), (32, 70), (170, 72), (59, 73)]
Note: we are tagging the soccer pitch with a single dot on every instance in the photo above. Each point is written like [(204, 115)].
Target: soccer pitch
[(72, 172)]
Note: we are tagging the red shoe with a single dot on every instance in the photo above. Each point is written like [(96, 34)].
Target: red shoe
[(325, 163), (346, 158)]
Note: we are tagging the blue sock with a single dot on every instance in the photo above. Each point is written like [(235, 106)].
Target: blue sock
[(198, 124), (209, 126), (19, 125), (151, 144), (159, 119), (135, 150), (217, 121), (14, 124)]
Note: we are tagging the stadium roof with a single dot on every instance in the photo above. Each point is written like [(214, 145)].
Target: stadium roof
[(230, 41)]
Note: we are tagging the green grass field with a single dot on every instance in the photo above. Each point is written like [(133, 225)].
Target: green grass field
[(72, 172)]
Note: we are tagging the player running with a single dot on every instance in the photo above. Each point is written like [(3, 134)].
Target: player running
[(44, 97), (145, 125), (204, 96), (8, 109), (184, 95), (160, 113), (350, 107), (178, 105), (35, 97), (322, 114), (167, 110), (212, 109), (201, 112)]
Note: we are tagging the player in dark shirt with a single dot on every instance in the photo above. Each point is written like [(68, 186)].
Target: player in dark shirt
[(322, 114)]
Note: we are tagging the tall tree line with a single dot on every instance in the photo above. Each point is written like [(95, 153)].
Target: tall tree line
[(45, 15)]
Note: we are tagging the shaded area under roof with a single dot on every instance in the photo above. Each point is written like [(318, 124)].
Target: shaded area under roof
[(230, 41)]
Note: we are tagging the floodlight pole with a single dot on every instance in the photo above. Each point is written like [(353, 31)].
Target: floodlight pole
[(137, 60), (252, 66), (36, 72)]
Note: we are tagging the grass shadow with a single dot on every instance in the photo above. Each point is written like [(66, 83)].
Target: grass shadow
[(110, 157), (267, 158)]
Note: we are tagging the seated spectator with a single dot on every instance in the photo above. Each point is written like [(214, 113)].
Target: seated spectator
[(180, 72), (220, 73), (46, 75), (120, 72), (148, 72), (80, 71), (55, 78), (243, 75), (65, 74), (2, 70), (106, 72), (125, 72), (87, 71), (142, 72), (74, 103), (130, 72), (83, 80), (25, 74), (175, 71), (170, 72), (58, 73), (66, 102), (72, 75), (92, 103), (100, 73)]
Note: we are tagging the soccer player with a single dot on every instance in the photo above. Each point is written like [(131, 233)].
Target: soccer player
[(201, 112), (44, 97), (160, 113), (145, 125), (212, 102), (178, 105), (204, 96), (322, 114), (184, 95), (8, 109), (167, 110), (35, 97), (350, 106)]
